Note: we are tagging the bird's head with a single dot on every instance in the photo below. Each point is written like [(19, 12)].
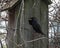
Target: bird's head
[(31, 20)]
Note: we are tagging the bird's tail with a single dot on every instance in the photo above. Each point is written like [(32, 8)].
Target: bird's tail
[(44, 34)]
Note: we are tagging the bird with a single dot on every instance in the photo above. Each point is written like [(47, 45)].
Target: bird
[(33, 22)]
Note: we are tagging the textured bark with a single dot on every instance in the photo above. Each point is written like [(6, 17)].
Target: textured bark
[(11, 25), (1, 44), (32, 8)]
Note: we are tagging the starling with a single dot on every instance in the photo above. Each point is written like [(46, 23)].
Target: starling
[(35, 25)]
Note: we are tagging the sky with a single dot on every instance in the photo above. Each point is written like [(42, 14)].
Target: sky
[(54, 11)]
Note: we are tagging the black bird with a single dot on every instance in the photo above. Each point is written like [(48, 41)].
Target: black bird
[(35, 25)]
